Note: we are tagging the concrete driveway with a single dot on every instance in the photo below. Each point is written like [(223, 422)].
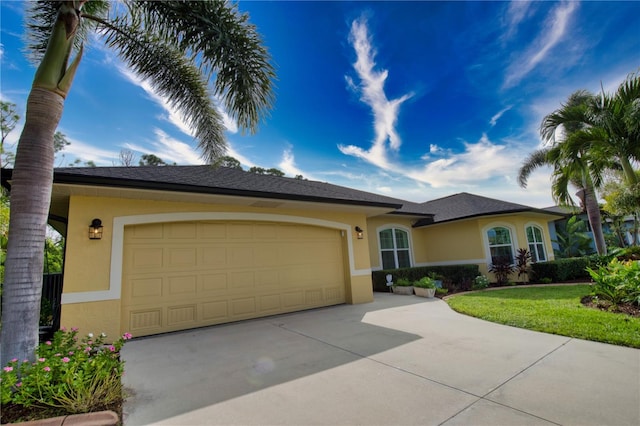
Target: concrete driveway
[(400, 360)]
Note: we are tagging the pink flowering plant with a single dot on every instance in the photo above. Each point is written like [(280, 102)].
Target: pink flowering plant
[(76, 376)]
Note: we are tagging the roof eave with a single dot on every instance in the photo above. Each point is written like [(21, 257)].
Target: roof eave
[(501, 213)]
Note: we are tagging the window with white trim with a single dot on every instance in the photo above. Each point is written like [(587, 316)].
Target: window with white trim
[(394, 248), (500, 245), (536, 243)]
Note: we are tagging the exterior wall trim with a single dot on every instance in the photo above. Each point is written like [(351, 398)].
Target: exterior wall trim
[(117, 243)]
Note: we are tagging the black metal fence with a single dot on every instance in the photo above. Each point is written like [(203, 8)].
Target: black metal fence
[(51, 306)]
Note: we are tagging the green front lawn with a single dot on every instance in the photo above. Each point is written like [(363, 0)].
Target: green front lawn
[(550, 309)]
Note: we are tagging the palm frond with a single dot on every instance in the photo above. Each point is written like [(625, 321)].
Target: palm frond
[(534, 161), (174, 77), (570, 117), (222, 42)]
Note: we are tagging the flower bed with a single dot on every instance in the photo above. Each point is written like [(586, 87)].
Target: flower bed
[(68, 376)]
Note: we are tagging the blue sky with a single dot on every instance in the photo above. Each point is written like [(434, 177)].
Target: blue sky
[(414, 100)]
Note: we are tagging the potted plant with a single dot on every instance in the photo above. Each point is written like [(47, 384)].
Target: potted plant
[(402, 286), (425, 287)]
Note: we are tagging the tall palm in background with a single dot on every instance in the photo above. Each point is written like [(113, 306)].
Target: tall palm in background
[(618, 116), (179, 47), (575, 166)]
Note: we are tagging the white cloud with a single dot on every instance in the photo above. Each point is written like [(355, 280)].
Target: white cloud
[(516, 13), (288, 165), (498, 115), (85, 152), (371, 90), (171, 149), (555, 28), (479, 162)]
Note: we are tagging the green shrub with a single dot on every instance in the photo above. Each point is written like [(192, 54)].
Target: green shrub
[(480, 282), (77, 377), (455, 277), (570, 269), (403, 282), (617, 282), (425, 282)]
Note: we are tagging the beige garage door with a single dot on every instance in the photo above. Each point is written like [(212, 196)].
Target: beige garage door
[(183, 275)]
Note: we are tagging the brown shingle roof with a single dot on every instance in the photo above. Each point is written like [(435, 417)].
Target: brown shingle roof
[(465, 205), (220, 180)]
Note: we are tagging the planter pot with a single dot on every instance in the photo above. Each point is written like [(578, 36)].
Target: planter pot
[(425, 292), (402, 290)]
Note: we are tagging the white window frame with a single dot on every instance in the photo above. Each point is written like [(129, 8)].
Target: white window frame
[(395, 227), (512, 235), (536, 243)]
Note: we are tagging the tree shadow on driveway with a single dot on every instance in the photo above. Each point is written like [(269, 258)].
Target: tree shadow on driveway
[(171, 374)]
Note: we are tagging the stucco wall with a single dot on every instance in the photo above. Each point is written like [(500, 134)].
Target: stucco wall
[(459, 242)]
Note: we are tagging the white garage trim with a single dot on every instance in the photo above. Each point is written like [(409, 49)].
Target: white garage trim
[(117, 243)]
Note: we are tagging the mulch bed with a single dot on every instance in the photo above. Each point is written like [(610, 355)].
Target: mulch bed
[(604, 305), (12, 413)]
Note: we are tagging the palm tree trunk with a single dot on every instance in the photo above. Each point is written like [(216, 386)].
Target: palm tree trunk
[(629, 171), (595, 219), (31, 185)]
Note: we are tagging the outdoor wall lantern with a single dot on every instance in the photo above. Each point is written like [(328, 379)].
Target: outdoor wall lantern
[(95, 230), (359, 232)]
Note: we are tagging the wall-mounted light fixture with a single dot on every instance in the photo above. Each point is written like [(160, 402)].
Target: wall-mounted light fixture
[(359, 232), (95, 230)]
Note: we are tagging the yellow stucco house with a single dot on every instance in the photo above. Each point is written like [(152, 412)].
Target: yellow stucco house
[(190, 246)]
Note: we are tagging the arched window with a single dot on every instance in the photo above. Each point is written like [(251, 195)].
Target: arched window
[(500, 245), (536, 244), (394, 248)]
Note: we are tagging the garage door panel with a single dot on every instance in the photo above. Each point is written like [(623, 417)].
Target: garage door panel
[(241, 281), (243, 306), (143, 321), (267, 279), (240, 257), (181, 257), (334, 294), (212, 231), (185, 315), (293, 299), (214, 283), (265, 255), (153, 231), (270, 302), (146, 257), (183, 286), (182, 231), (240, 231), (313, 297), (268, 232), (213, 257), (215, 311), (180, 276)]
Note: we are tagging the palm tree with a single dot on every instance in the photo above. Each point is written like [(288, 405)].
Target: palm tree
[(618, 115), (179, 46), (572, 163)]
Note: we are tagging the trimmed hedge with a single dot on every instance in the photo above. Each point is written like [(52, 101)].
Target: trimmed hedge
[(455, 277), (569, 269)]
